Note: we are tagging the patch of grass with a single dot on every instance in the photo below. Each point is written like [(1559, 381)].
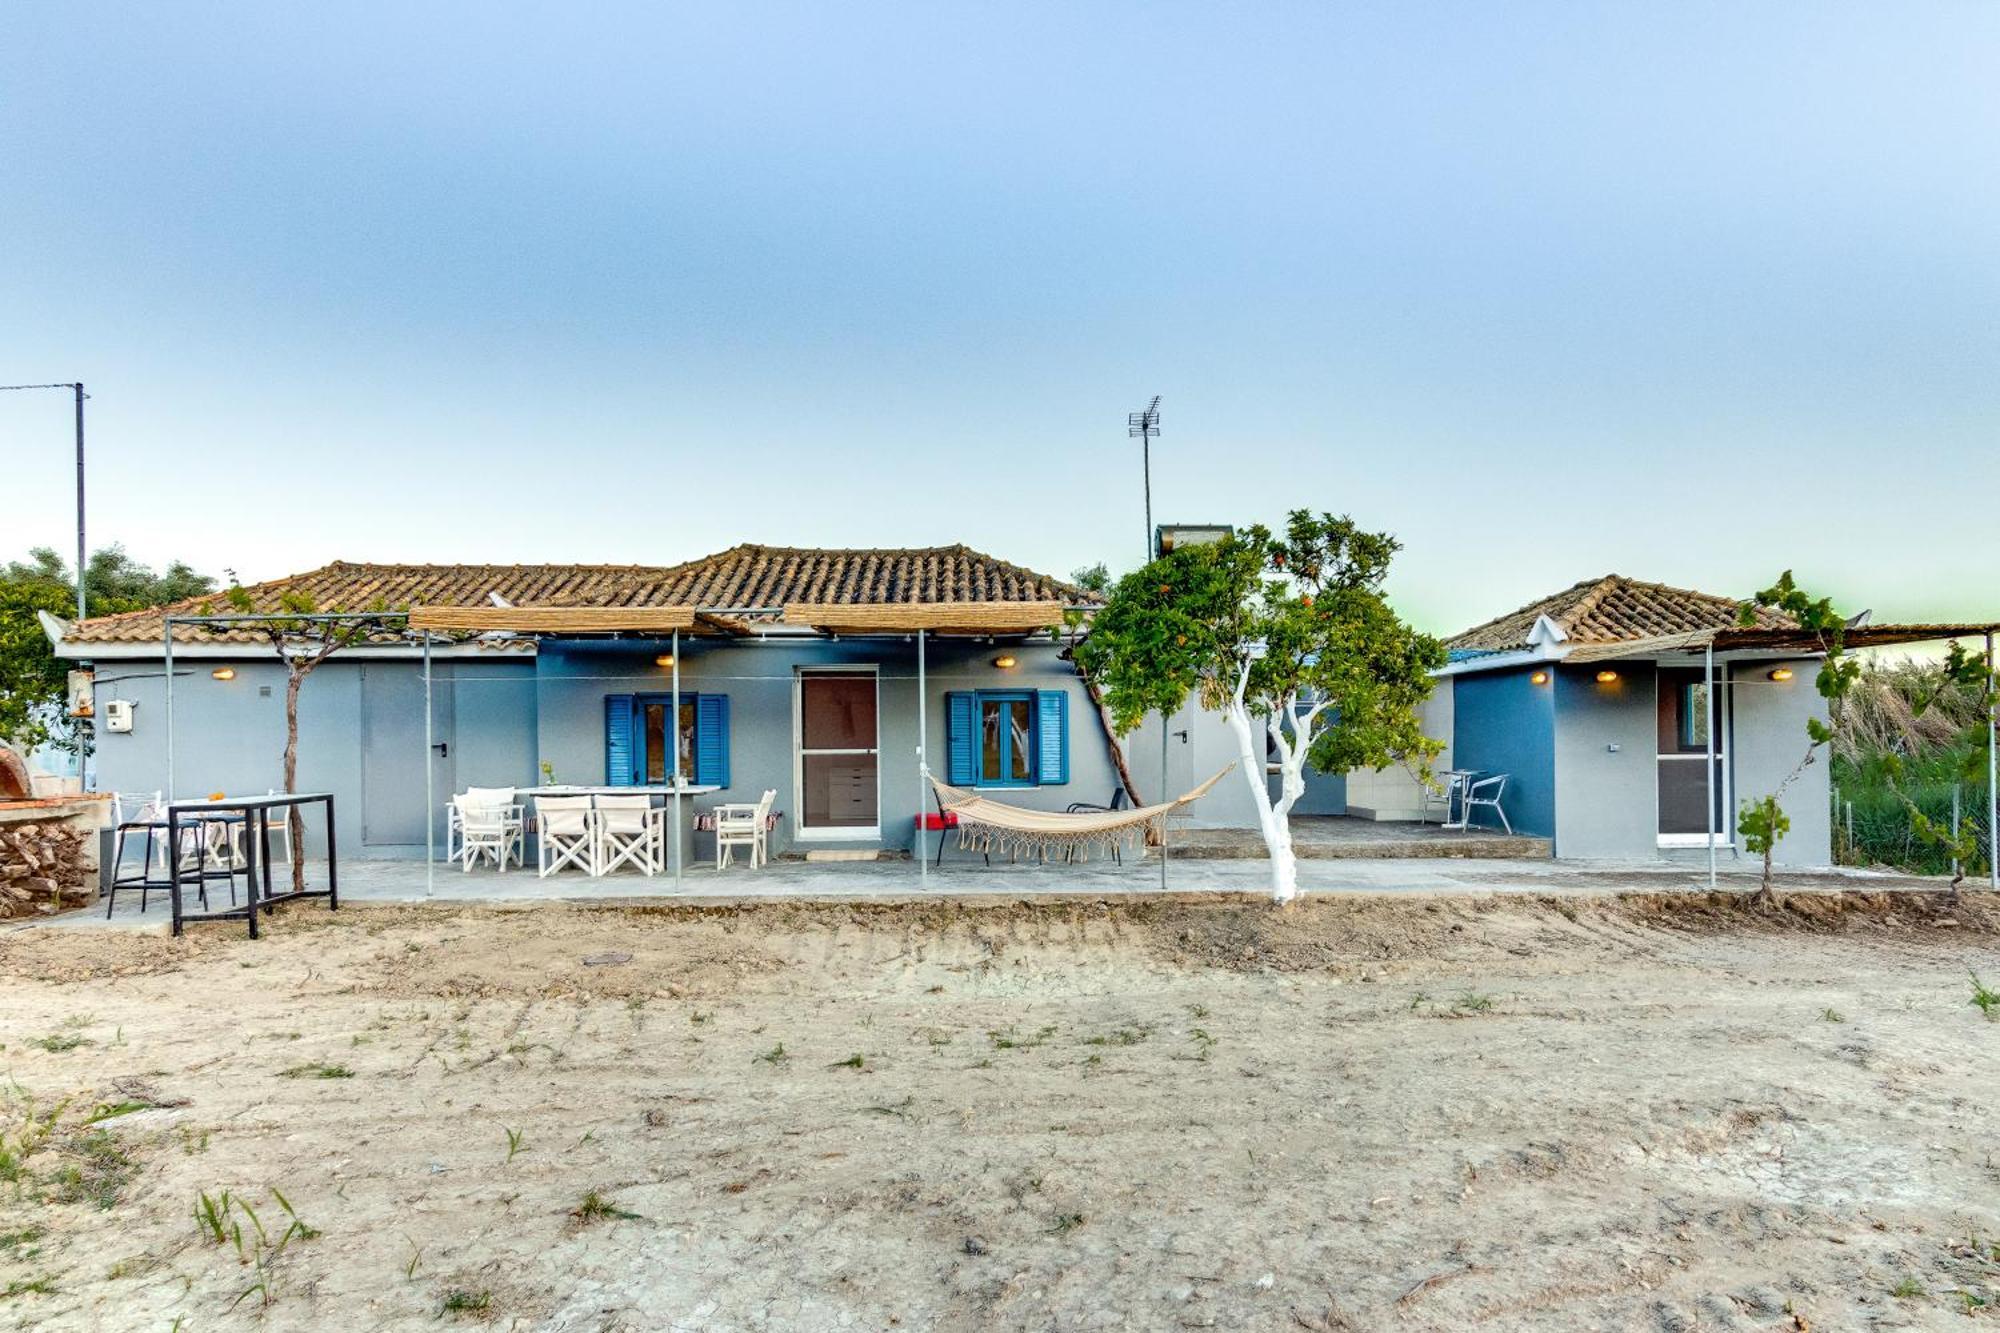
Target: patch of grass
[(97, 1175), (1987, 1001), (1831, 1015), (515, 1143), (596, 1208), (57, 1042), (1009, 1040), (317, 1069), (112, 1110), (1197, 1011), (1472, 1002), (459, 1301), (32, 1286), (21, 1245), (1419, 1000), (698, 1018), (853, 1061), (1908, 1289), (1065, 1223), (1204, 1044), (1122, 1037), (776, 1055), (137, 1266)]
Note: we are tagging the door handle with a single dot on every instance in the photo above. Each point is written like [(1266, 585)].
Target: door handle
[(443, 748)]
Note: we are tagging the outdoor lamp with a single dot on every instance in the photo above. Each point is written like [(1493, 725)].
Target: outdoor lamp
[(224, 673), (1005, 661), (1781, 673), (1539, 678), (664, 659), (1606, 677)]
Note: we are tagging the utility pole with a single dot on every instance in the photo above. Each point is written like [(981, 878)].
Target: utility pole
[(77, 388), (1143, 426)]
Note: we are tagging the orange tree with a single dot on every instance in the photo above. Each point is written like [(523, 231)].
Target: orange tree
[(1291, 639)]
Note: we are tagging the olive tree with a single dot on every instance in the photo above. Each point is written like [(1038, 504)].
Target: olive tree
[(1291, 639)]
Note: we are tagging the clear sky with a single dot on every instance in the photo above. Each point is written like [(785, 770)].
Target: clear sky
[(1687, 292)]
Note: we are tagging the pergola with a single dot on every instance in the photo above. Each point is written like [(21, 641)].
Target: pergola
[(1803, 642), (921, 619)]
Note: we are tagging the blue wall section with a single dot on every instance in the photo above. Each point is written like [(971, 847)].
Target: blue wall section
[(1505, 723)]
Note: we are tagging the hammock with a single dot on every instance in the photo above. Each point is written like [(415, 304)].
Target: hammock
[(986, 825)]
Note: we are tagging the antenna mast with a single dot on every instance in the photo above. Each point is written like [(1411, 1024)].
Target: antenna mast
[(1143, 426)]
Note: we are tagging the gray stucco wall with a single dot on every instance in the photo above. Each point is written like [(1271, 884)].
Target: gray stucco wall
[(758, 678), (229, 735), (1200, 744), (1608, 800), (1770, 738), (1502, 722)]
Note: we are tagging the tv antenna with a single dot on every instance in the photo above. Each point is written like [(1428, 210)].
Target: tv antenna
[(1143, 426)]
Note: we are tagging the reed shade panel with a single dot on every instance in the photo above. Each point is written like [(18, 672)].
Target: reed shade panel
[(553, 619), (943, 617)]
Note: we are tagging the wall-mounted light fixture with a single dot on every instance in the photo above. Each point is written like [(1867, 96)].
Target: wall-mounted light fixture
[(1607, 677), (1005, 661), (1539, 678), (664, 659), (1781, 673), (224, 673)]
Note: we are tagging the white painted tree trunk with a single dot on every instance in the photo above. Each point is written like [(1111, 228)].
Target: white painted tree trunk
[(1274, 820)]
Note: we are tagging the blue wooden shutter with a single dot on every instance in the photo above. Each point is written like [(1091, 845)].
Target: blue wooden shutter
[(711, 740), (621, 755), (961, 738), (1052, 736)]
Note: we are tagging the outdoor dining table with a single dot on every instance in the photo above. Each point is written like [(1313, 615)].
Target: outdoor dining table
[(197, 819)]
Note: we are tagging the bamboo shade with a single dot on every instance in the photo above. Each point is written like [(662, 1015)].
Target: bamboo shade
[(947, 617), (553, 619)]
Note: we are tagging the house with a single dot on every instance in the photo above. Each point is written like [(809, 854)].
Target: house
[(796, 670), (1619, 737)]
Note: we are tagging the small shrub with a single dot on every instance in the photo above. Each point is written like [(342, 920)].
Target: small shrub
[(1987, 1001), (1908, 1289), (596, 1208), (459, 1301)]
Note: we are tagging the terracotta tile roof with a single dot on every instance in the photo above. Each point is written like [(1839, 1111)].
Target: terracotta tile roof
[(742, 576), (1611, 609)]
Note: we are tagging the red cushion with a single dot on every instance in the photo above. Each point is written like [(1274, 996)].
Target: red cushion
[(932, 823)]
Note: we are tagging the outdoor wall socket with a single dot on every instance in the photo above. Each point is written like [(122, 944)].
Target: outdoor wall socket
[(1611, 748), (117, 715)]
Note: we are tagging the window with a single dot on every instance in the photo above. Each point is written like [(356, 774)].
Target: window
[(636, 752), (1007, 738), (1694, 717)]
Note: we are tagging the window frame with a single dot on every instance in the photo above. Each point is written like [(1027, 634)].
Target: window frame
[(980, 699)]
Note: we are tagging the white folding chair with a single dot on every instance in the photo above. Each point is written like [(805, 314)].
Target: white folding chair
[(568, 834), (630, 831), (486, 832), (502, 798), (1494, 787), (743, 825)]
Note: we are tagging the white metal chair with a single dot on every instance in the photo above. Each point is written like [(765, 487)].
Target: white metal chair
[(567, 834), (1495, 787), (743, 825), (631, 831), (486, 832), (131, 806), (500, 798)]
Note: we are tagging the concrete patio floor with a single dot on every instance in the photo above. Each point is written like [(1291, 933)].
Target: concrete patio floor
[(394, 882)]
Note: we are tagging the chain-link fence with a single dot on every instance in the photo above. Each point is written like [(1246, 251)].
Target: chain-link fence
[(1873, 827)]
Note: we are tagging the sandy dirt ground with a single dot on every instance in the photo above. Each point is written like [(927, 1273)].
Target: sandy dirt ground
[(1506, 1113)]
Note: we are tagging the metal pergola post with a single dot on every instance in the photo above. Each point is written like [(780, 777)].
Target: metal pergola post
[(923, 769), (169, 670), (1712, 788), (1992, 773), (674, 748), (1166, 735), (430, 794)]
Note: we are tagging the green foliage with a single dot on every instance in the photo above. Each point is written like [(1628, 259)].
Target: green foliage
[(1763, 823), (1297, 625), (33, 680)]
